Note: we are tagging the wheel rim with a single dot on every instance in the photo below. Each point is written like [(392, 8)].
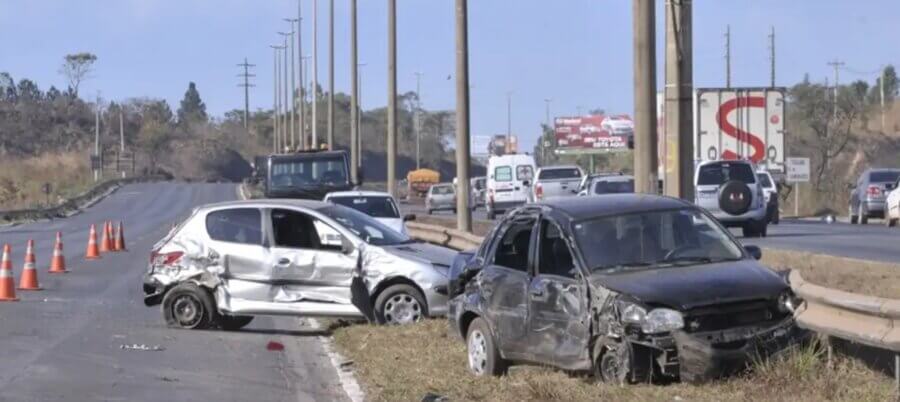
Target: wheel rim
[(611, 367), (187, 311), (477, 352), (402, 309)]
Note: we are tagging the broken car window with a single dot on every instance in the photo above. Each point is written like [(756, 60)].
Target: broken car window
[(294, 229), (512, 250), (239, 225), (367, 228), (555, 256)]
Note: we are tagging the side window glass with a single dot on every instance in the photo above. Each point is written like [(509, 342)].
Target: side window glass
[(512, 249), (294, 229), (555, 256), (239, 225)]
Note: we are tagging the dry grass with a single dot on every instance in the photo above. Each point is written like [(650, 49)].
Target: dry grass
[(406, 363), (22, 179), (847, 274)]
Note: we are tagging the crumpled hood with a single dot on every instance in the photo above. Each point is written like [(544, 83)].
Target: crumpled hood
[(423, 252), (684, 288)]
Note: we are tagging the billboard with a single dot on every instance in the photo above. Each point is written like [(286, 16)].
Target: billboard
[(593, 131)]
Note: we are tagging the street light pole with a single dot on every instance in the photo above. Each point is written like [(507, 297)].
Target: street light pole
[(302, 135), (354, 96), (294, 31), (360, 113), (508, 118), (392, 98), (274, 98), (417, 118), (464, 214), (331, 74), (315, 73)]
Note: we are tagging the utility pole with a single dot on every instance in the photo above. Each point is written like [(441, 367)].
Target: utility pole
[(354, 97), (315, 73), (246, 85), (836, 64), (772, 56), (360, 113), (97, 138), (881, 85), (293, 95), (302, 135), (287, 139), (463, 213), (392, 99), (304, 95), (276, 104), (547, 102), (645, 156), (679, 163), (508, 113), (727, 53), (122, 139), (330, 74), (416, 117)]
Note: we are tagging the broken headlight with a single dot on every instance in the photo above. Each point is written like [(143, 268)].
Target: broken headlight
[(656, 321), (787, 302)]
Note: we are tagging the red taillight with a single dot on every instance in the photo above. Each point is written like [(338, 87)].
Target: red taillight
[(157, 258), (539, 191), (874, 190)]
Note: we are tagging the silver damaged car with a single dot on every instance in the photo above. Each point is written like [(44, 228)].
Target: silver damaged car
[(231, 261)]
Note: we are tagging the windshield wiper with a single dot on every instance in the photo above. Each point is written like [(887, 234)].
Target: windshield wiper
[(619, 267), (681, 261)]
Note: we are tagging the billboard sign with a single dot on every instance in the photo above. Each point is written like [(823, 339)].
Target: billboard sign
[(593, 131)]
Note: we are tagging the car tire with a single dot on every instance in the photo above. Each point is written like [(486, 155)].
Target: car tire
[(483, 356), (890, 222), (400, 304), (189, 306), (611, 363), (863, 215), (854, 219), (776, 217), (234, 322), (749, 229)]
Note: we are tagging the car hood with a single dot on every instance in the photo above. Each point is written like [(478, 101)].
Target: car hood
[(684, 288), (423, 252), (393, 223)]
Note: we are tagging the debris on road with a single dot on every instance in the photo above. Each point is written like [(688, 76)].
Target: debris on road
[(142, 347), (274, 346)]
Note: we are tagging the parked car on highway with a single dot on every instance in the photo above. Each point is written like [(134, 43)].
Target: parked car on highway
[(628, 286), (867, 196), (730, 191), (231, 261), (615, 184), (509, 182), (440, 197), (556, 181), (379, 205), (308, 174), (770, 191)]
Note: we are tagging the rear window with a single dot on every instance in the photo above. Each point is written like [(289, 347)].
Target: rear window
[(441, 190), (764, 180), (553, 174), (614, 187), (884, 176), (503, 173), (374, 206), (524, 172), (239, 225), (719, 173)]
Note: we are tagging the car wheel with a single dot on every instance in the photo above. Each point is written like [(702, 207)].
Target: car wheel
[(234, 322), (749, 229), (854, 219), (484, 358), (188, 306), (776, 216), (611, 364), (399, 304), (863, 215)]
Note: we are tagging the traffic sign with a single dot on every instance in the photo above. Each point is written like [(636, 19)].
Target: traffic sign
[(797, 170)]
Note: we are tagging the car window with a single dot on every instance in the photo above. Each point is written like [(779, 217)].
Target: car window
[(374, 206), (719, 173), (238, 225), (764, 180), (309, 170), (883, 176), (555, 256), (512, 249), (559, 173), (524, 172), (503, 173), (614, 187), (367, 228), (293, 229), (441, 190)]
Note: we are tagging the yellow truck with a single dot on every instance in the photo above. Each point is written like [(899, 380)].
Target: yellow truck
[(420, 181)]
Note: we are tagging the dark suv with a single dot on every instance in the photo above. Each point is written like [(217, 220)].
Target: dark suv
[(630, 287), (868, 195)]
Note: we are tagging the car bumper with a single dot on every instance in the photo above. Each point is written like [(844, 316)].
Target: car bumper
[(876, 207), (153, 290), (757, 214), (440, 205), (501, 206)]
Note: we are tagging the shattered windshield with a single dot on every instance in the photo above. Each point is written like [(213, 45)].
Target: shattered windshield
[(367, 228), (654, 239)]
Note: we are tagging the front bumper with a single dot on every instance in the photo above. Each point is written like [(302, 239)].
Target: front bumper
[(756, 214)]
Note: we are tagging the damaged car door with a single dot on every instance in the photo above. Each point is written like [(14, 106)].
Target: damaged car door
[(236, 243), (312, 265), (558, 327)]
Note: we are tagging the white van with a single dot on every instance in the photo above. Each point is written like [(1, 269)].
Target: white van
[(509, 180)]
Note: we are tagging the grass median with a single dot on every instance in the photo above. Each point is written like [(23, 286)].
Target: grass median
[(407, 363)]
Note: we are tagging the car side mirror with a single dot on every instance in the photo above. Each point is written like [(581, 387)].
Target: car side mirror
[(526, 183), (346, 246), (754, 251), (409, 217)]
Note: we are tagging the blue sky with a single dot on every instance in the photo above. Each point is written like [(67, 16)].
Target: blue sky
[(577, 52)]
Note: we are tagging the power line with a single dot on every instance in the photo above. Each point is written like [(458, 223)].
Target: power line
[(246, 75)]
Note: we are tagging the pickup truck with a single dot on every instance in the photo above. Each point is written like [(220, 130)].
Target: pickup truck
[(556, 181)]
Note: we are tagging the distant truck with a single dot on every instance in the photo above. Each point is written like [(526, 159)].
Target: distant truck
[(308, 174), (419, 181), (734, 124)]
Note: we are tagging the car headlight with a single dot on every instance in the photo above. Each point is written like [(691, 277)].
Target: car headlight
[(787, 302), (656, 321)]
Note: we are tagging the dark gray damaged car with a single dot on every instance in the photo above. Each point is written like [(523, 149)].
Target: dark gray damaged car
[(629, 287)]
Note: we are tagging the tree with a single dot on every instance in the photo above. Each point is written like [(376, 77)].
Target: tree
[(192, 108), (76, 68), (891, 87), (154, 139)]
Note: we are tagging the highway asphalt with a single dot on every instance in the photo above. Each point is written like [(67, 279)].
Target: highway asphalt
[(65, 343), (874, 241)]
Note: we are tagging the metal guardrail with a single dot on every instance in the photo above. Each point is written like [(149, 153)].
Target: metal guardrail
[(452, 238)]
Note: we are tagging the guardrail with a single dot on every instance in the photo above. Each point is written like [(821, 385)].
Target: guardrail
[(75, 204), (868, 320)]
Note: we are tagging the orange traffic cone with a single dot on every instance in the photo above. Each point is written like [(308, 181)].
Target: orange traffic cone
[(92, 252), (58, 263), (29, 280), (120, 237), (112, 240), (7, 283), (105, 244)]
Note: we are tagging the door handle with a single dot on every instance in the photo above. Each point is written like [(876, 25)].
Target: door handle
[(284, 261), (537, 294)]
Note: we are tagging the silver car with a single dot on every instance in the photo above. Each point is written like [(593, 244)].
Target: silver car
[(231, 261), (868, 194), (440, 197), (730, 191)]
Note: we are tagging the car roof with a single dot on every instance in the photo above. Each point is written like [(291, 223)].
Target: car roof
[(559, 167), (735, 161), (357, 193), (267, 203), (578, 208)]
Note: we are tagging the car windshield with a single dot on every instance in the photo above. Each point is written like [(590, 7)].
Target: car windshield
[(884, 176), (441, 190), (764, 180), (367, 228), (614, 187), (656, 239), (720, 173), (559, 173), (374, 206), (308, 171)]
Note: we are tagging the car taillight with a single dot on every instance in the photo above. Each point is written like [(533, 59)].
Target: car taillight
[(539, 191), (157, 258), (874, 190)]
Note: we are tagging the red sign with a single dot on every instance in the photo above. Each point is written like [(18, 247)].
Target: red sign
[(593, 131)]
